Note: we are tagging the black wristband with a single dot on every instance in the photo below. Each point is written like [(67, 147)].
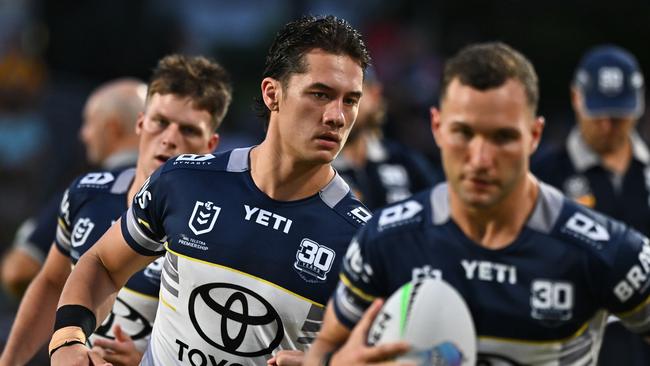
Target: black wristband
[(75, 316), (325, 361)]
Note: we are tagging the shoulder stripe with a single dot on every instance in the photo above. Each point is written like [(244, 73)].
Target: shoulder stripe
[(123, 181), (547, 209), (335, 191), (238, 160), (440, 211), (138, 235)]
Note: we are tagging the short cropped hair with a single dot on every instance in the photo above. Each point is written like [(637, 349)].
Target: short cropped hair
[(485, 66), (202, 80), (286, 56)]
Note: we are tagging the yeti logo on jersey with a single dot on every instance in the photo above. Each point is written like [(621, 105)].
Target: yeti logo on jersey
[(586, 227), (231, 318), (96, 179), (194, 159), (203, 217), (144, 196), (81, 230), (398, 214), (551, 301), (313, 260)]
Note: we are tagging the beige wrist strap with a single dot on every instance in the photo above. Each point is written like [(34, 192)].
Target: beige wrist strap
[(66, 336)]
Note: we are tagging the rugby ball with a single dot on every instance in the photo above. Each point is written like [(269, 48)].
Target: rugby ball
[(433, 318)]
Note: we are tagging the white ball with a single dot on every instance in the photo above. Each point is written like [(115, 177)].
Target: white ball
[(433, 318)]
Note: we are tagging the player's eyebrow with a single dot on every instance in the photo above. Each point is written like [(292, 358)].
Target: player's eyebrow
[(325, 87)]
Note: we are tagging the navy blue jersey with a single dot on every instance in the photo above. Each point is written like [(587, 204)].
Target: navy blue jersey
[(36, 234), (244, 275), (543, 299), (392, 173), (576, 170), (89, 207)]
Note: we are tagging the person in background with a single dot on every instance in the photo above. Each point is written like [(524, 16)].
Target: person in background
[(378, 170), (605, 165), (108, 133)]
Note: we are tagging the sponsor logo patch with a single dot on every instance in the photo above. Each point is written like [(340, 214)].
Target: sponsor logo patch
[(226, 315), (96, 179), (313, 261)]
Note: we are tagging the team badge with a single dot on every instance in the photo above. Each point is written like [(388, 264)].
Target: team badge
[(203, 217), (81, 231), (313, 261)]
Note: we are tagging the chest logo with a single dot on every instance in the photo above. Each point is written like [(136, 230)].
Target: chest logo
[(313, 261), (231, 318), (81, 231), (551, 301), (203, 217)]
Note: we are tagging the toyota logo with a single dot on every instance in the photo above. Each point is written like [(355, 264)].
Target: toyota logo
[(231, 318), (123, 310)]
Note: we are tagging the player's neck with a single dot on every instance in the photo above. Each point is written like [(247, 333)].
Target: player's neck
[(498, 226), (284, 178)]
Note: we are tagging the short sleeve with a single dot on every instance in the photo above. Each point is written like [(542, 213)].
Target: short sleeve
[(62, 239), (358, 285), (142, 223), (628, 284)]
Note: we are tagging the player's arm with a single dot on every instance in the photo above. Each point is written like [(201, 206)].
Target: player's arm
[(98, 276), (337, 345), (628, 282), (35, 318), (18, 270)]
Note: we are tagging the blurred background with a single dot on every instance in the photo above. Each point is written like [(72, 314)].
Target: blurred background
[(53, 53)]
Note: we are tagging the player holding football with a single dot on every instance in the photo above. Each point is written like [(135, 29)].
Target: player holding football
[(539, 272)]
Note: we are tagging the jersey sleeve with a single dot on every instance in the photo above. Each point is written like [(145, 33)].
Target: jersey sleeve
[(37, 240), (142, 223), (63, 236), (628, 284), (358, 283)]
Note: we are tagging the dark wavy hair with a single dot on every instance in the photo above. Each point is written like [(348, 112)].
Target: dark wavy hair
[(286, 55)]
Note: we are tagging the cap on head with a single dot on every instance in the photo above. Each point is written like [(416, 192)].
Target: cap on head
[(610, 82)]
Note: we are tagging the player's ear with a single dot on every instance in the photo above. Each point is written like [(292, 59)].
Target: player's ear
[(139, 123), (537, 129), (435, 123), (213, 142), (271, 93)]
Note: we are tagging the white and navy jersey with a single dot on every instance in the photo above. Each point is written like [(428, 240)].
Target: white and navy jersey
[(391, 173), (541, 300), (244, 275), (89, 207)]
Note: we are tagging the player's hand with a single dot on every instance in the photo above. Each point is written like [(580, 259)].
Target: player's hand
[(121, 351), (287, 358), (76, 355), (356, 351)]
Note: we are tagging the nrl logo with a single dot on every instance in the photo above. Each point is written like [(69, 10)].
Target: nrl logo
[(203, 217), (81, 230)]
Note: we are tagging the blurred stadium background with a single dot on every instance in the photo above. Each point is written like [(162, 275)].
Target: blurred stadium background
[(53, 53)]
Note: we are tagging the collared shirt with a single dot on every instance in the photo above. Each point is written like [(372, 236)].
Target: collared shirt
[(578, 171)]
